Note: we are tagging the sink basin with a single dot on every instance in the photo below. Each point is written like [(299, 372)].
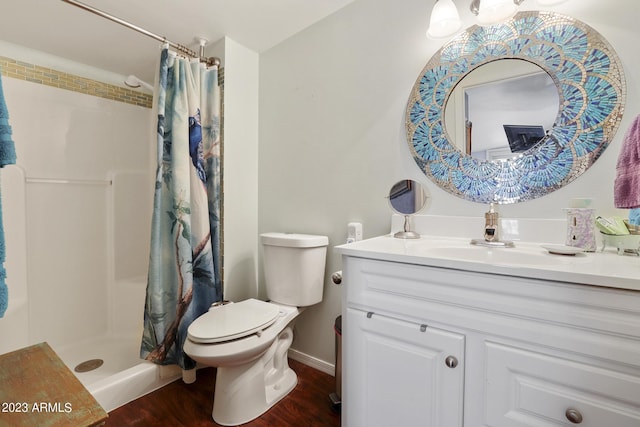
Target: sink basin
[(518, 256), (527, 259), (455, 251)]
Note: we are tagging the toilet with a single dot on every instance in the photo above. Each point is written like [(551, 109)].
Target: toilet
[(248, 340)]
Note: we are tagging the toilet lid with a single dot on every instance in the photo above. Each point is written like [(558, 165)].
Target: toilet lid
[(232, 321)]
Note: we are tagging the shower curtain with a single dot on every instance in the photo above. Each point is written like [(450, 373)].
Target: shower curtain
[(184, 267)]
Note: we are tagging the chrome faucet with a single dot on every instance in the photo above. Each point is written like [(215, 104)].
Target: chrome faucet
[(492, 231), (491, 225)]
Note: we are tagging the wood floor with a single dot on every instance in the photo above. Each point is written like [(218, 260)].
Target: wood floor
[(180, 404)]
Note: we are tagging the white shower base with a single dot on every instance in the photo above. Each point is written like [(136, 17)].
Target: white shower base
[(123, 377)]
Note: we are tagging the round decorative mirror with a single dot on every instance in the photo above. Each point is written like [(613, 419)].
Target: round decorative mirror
[(538, 157), (407, 197)]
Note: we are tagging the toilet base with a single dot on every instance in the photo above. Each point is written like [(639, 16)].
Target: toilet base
[(244, 392)]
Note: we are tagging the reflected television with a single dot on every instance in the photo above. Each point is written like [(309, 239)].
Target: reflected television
[(523, 137)]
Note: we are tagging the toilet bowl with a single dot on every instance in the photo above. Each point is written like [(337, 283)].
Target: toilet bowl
[(248, 341), (253, 372)]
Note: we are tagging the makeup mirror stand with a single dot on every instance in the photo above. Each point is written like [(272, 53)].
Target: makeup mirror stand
[(406, 233), (407, 197)]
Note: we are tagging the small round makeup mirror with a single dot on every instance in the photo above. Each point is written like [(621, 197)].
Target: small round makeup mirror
[(407, 197)]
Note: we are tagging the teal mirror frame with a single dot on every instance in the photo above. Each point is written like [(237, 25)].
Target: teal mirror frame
[(592, 89)]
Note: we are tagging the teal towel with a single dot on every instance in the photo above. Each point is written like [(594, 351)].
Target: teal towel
[(634, 216), (7, 157), (7, 148)]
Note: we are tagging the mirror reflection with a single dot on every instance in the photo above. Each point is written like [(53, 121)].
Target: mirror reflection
[(501, 109), (407, 197)]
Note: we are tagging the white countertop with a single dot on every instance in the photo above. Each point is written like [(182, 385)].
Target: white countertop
[(529, 260)]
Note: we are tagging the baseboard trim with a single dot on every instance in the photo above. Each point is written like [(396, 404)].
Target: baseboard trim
[(321, 365)]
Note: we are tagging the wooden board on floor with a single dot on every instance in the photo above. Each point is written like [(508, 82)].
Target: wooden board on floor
[(38, 389)]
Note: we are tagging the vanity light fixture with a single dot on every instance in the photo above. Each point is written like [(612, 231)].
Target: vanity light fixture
[(445, 20), (491, 12)]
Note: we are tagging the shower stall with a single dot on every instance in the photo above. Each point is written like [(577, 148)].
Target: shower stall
[(77, 212)]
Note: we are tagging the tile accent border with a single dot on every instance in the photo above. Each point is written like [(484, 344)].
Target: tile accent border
[(34, 73)]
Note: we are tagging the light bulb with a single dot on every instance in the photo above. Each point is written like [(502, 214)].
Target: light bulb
[(495, 11), (445, 19)]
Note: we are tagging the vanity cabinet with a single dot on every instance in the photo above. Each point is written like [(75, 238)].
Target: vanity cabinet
[(448, 347), (399, 369)]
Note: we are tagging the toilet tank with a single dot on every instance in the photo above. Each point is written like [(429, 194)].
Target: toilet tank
[(294, 267)]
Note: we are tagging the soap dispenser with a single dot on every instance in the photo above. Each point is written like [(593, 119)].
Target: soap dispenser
[(491, 225)]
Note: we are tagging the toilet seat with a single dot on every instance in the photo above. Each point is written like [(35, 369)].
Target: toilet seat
[(232, 321)]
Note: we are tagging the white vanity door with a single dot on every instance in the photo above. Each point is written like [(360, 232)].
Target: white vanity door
[(526, 388), (401, 373)]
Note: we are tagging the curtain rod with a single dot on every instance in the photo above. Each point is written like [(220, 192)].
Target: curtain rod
[(183, 49)]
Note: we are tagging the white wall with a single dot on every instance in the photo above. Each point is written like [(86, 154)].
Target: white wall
[(240, 171), (332, 138)]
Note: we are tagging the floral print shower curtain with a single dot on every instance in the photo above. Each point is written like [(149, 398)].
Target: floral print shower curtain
[(184, 269)]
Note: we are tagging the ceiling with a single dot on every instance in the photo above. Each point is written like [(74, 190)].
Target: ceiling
[(66, 31)]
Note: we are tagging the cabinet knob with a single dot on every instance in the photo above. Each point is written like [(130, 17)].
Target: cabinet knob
[(573, 415), (451, 361), (337, 277)]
